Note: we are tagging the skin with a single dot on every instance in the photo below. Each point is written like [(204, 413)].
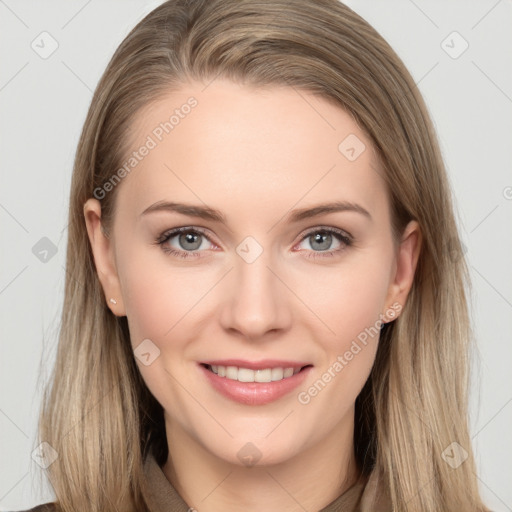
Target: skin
[(256, 155)]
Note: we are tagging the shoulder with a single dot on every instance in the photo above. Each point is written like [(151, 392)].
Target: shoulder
[(46, 507)]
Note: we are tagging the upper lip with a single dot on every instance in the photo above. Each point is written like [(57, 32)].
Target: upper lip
[(257, 365)]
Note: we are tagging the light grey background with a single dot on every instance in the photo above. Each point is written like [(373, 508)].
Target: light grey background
[(43, 102)]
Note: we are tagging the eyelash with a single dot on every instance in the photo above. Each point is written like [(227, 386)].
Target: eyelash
[(342, 236)]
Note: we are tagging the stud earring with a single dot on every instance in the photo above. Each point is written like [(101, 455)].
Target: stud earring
[(113, 301)]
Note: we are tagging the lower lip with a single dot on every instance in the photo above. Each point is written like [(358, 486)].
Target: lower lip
[(254, 393)]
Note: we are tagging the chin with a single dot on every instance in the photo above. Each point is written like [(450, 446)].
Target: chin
[(258, 452)]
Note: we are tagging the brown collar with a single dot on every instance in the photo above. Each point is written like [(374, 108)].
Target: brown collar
[(364, 496)]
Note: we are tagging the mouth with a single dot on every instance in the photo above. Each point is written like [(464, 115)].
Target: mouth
[(251, 383), (262, 375)]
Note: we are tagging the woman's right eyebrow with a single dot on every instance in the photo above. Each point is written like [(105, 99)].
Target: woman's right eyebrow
[(207, 213), (203, 212)]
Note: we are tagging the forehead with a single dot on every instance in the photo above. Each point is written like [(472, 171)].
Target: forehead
[(239, 147)]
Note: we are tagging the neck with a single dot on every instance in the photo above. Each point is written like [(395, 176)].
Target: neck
[(310, 480)]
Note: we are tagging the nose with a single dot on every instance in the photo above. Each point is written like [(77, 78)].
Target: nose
[(256, 300)]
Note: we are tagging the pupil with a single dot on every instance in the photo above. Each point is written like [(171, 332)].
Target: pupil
[(190, 238), (324, 239)]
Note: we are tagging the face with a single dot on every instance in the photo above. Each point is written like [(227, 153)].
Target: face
[(285, 259)]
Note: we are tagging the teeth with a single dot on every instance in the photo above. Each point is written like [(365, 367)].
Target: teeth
[(232, 372), (248, 375), (277, 373)]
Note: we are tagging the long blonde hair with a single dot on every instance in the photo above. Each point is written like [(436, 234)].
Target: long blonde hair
[(97, 411)]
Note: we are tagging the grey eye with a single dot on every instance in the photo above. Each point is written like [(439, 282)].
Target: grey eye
[(320, 241), (190, 241)]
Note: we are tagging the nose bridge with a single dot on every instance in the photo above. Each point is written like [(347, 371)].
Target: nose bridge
[(257, 302)]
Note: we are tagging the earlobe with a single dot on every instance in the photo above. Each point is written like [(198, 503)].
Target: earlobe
[(103, 252), (406, 263)]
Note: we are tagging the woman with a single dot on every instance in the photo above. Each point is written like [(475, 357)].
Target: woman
[(265, 293)]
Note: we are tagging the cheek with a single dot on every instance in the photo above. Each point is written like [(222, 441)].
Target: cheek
[(350, 298), (158, 304), (350, 304), (156, 297)]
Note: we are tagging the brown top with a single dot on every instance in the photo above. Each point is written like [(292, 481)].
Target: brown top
[(364, 496)]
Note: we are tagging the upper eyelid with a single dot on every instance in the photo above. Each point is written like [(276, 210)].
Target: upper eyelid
[(173, 232)]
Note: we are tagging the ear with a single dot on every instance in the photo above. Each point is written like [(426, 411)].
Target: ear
[(406, 262), (103, 251)]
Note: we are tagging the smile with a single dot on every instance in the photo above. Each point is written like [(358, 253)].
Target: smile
[(265, 382), (248, 375)]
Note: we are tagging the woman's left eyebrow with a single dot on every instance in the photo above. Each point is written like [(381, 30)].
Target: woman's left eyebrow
[(323, 209), (207, 213)]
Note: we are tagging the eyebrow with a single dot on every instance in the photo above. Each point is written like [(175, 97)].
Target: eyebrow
[(205, 212)]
